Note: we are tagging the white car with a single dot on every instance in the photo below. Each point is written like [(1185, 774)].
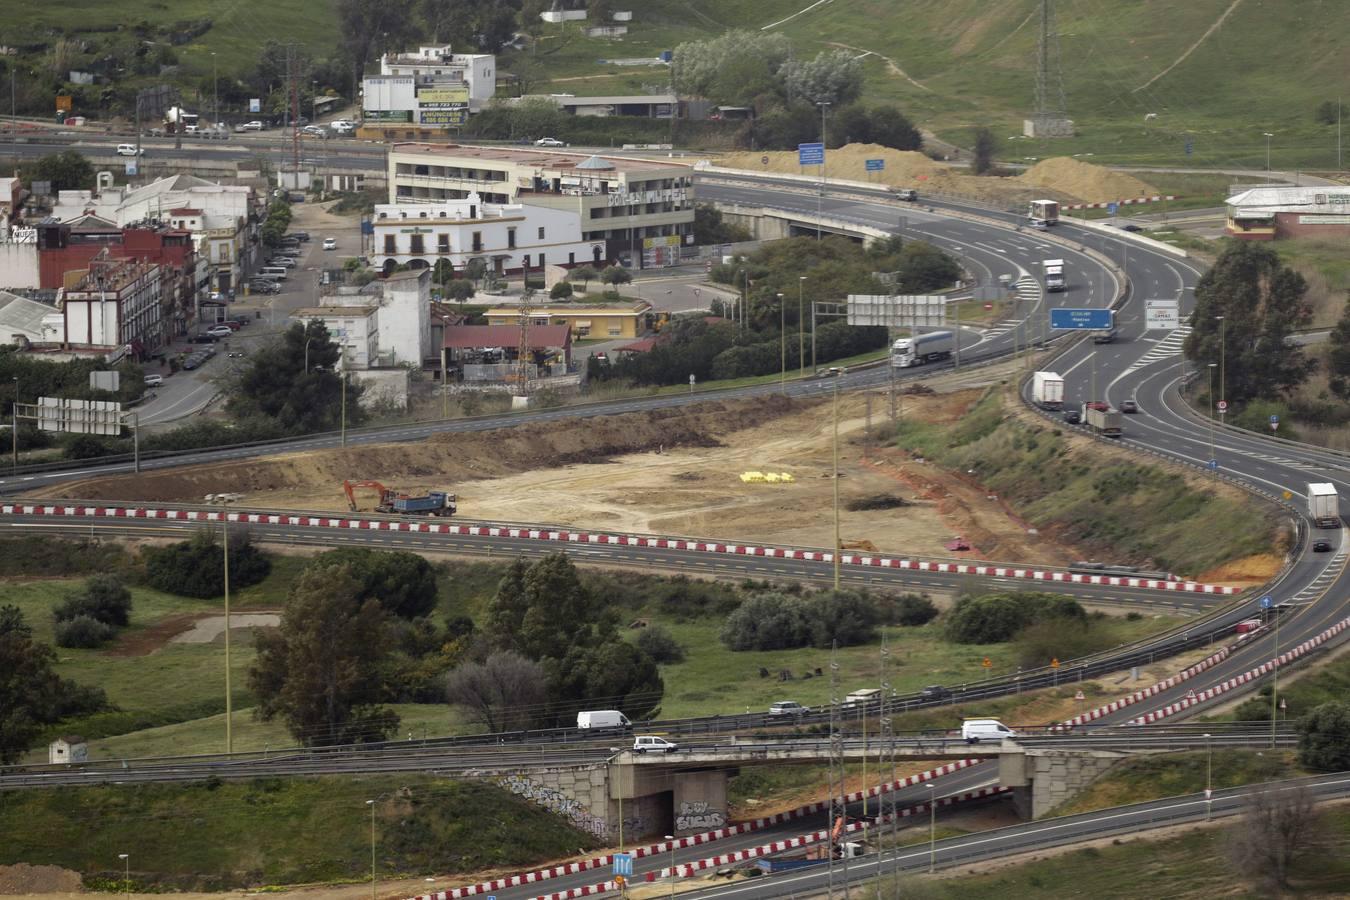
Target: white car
[(549, 142), (650, 743), (220, 331), (129, 150), (330, 243), (255, 125), (154, 380), (787, 708), (342, 126)]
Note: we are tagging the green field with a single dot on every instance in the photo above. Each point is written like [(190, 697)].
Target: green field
[(221, 835)]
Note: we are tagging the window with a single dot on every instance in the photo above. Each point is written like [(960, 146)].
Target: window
[(442, 243), (389, 244), (526, 263), (510, 239), (571, 259), (416, 247), (541, 260), (541, 232), (477, 241)]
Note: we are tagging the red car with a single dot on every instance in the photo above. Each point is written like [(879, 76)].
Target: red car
[(1099, 405)]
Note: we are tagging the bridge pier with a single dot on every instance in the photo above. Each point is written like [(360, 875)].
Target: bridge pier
[(1043, 779)]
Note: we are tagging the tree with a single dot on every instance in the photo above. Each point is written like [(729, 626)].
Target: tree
[(67, 171), (293, 382), (103, 598), (614, 675), (834, 77), (615, 276), (31, 693), (710, 228), (1324, 737), (196, 568), (1328, 113), (924, 267), (81, 631), (474, 270), (505, 692), (1338, 355), (994, 618), (401, 582), (460, 289), (587, 274), (983, 154), (560, 291), (732, 67), (768, 621), (658, 643), (1262, 302), (372, 26), (891, 128), (1278, 827), (320, 671)]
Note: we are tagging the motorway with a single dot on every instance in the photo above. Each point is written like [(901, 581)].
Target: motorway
[(1139, 366)]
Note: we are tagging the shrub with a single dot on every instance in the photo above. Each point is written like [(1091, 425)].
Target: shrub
[(196, 568), (766, 622), (842, 617), (82, 631), (403, 583), (995, 618), (1324, 737), (660, 645), (103, 598), (908, 610), (561, 291)]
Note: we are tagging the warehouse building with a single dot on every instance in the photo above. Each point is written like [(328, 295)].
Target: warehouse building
[(1271, 212)]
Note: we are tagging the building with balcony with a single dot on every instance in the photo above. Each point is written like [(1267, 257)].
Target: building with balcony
[(430, 89), (115, 304), (641, 210), (509, 238)]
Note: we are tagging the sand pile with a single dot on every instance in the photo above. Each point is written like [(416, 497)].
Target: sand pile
[(1062, 178), (1084, 181)]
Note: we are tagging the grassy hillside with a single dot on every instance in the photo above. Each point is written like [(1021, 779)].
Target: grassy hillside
[(219, 835), (955, 64)]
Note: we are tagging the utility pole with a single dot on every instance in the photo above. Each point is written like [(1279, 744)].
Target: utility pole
[(215, 88), (291, 75), (820, 196), (836, 772)]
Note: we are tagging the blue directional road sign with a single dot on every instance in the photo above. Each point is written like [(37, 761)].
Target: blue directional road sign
[(874, 165), (1069, 318), (1213, 465), (623, 864), (1267, 602), (1274, 419), (1113, 208), (811, 154)]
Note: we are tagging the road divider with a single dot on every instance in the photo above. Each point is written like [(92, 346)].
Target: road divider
[(591, 538)]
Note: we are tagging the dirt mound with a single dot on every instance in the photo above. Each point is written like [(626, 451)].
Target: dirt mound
[(447, 459), (22, 878), (1062, 178), (1084, 181)]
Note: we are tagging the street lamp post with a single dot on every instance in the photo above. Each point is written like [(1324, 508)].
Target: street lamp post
[(1223, 344), (671, 839), (14, 424), (126, 872), (932, 827), (820, 195), (1268, 135), (215, 87), (782, 343), (1211, 410), (1209, 778), (835, 372), (224, 501), (801, 330), (371, 804)]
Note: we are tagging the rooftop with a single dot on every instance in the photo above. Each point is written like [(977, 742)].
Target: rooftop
[(468, 337), (541, 159), (336, 312), (636, 307), (1316, 199)]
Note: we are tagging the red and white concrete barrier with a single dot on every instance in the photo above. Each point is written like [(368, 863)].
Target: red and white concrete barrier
[(622, 540)]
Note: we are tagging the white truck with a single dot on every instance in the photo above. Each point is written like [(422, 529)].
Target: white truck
[(1043, 212), (602, 718), (1047, 390), (1324, 506), (922, 349), (1054, 275), (1106, 422)]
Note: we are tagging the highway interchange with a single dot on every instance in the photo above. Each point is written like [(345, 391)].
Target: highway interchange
[(1134, 367)]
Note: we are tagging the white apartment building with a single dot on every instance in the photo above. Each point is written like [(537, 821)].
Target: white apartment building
[(399, 333), (354, 328), (217, 215), (508, 237), (432, 87), (641, 210)]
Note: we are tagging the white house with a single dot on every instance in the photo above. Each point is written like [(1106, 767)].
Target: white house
[(69, 748), (507, 237), (431, 86), (398, 313), (354, 328)]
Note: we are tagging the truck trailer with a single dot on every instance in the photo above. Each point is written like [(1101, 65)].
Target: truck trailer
[(1043, 212), (1054, 275), (1324, 506), (1106, 422), (1047, 390), (922, 349)]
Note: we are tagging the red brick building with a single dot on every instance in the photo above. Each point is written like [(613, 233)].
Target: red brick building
[(1269, 213)]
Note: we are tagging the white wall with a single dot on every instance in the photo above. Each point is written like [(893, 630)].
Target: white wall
[(92, 322), (405, 320), (389, 92), (18, 266)]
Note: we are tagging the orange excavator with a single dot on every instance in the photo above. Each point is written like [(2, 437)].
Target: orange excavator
[(432, 503)]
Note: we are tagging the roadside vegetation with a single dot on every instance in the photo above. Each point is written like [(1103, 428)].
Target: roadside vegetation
[(223, 835), (1101, 501)]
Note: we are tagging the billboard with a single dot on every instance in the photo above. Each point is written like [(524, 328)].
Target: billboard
[(388, 115), (388, 92), (670, 240), (899, 311), (79, 416), (443, 117), (63, 102), (442, 98)]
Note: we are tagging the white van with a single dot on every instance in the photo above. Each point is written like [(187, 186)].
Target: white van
[(976, 730), (128, 150), (651, 743), (275, 272), (602, 718), (863, 697)]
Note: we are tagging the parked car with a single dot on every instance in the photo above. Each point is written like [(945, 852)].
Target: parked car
[(1072, 416), (231, 324), (255, 125), (154, 380), (314, 131), (1129, 406), (264, 286), (203, 338), (787, 708), (241, 321), (1321, 546), (549, 142), (220, 331), (330, 243), (301, 236), (650, 743), (285, 261)]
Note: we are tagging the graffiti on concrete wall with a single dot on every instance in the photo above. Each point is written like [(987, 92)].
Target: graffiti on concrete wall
[(698, 816), (557, 802)]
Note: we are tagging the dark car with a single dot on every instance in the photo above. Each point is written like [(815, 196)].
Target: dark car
[(1129, 406), (301, 236), (202, 339), (1072, 417), (934, 692), (1134, 228), (1321, 546)]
